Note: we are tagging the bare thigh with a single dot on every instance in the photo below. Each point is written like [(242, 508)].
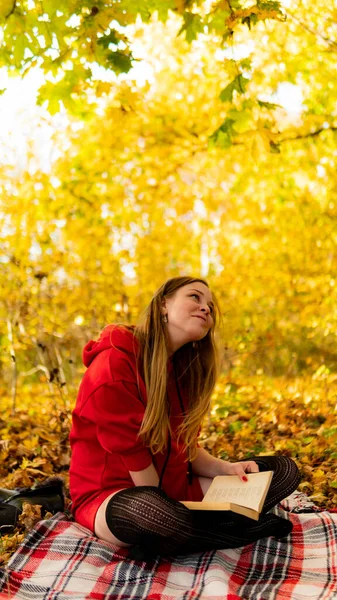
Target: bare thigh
[(205, 482), (102, 530)]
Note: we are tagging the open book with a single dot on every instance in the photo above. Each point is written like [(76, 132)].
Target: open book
[(228, 492)]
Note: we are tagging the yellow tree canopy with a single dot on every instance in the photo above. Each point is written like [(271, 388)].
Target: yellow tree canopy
[(83, 46), (199, 170)]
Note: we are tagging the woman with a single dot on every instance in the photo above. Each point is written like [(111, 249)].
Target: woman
[(134, 435)]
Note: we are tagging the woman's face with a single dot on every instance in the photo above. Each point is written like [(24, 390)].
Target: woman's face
[(189, 314)]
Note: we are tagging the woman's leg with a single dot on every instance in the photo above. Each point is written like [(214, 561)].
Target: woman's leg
[(155, 524), (102, 530), (285, 479), (147, 517)]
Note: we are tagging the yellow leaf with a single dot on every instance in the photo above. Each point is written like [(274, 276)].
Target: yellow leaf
[(25, 463), (103, 87), (260, 145), (31, 442)]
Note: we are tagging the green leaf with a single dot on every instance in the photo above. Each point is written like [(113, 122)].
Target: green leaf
[(162, 8), (19, 50), (238, 84), (216, 22), (192, 25), (133, 8), (253, 423), (236, 426), (267, 5), (6, 8), (227, 126), (222, 137), (243, 120), (226, 94), (331, 431), (231, 388), (222, 412), (2, 91), (121, 62), (268, 105), (246, 63), (251, 20), (308, 440), (274, 148), (106, 40)]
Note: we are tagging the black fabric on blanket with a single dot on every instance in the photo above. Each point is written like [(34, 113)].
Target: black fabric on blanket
[(155, 524)]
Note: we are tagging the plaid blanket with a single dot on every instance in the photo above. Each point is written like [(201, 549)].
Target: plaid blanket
[(60, 560)]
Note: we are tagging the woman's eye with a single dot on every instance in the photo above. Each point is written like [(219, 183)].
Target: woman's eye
[(195, 296)]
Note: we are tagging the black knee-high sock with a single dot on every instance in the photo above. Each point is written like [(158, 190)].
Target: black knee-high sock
[(147, 517), (285, 480)]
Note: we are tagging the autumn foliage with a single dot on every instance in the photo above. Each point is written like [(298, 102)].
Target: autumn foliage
[(194, 138)]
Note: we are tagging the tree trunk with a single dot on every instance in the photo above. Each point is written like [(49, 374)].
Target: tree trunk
[(14, 363)]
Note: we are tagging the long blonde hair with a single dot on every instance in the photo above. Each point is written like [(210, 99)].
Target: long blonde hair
[(196, 368)]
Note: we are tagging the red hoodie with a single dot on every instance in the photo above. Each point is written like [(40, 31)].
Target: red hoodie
[(106, 421)]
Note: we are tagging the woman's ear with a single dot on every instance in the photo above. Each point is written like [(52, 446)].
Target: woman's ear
[(163, 308)]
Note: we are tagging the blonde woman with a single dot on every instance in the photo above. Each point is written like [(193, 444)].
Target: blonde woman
[(135, 427)]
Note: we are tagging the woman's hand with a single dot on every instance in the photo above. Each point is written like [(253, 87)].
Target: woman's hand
[(206, 465), (240, 468)]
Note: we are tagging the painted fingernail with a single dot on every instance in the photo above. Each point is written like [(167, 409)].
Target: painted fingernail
[(245, 478)]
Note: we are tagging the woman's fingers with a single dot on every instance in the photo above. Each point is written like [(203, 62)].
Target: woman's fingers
[(252, 467), (241, 468), (240, 472), (244, 467)]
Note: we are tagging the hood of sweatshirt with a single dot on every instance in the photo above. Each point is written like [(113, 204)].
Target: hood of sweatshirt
[(112, 336)]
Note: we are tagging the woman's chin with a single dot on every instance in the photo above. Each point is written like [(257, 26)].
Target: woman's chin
[(198, 336)]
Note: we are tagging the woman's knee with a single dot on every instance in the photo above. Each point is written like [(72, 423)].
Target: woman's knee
[(276, 463), (101, 528), (138, 511)]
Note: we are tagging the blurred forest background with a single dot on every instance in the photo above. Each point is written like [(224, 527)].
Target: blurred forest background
[(143, 140)]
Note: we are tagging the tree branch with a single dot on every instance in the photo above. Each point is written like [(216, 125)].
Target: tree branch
[(307, 135), (34, 370), (10, 336), (306, 27)]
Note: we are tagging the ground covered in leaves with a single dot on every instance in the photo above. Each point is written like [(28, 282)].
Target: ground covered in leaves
[(258, 416)]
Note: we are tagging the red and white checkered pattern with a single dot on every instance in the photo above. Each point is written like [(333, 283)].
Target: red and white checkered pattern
[(60, 560)]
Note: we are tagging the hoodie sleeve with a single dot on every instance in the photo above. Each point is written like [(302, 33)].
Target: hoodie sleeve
[(118, 413)]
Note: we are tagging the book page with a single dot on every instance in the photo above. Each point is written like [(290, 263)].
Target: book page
[(229, 488)]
